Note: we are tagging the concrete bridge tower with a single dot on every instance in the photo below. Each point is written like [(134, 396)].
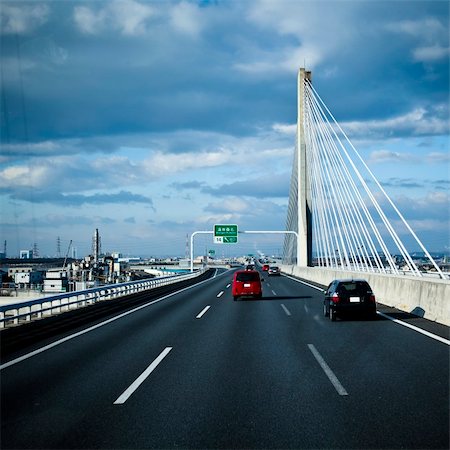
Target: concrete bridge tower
[(304, 242), (299, 208)]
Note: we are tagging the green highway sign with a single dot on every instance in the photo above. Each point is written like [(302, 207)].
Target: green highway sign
[(225, 234)]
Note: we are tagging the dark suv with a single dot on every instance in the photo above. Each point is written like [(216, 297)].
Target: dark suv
[(348, 296)]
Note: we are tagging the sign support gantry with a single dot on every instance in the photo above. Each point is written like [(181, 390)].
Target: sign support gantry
[(239, 232)]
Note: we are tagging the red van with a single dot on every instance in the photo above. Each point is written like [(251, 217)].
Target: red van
[(246, 283)]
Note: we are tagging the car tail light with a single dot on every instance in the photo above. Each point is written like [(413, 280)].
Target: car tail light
[(335, 298), (372, 298)]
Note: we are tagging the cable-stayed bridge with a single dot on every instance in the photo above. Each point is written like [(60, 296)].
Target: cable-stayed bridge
[(343, 216), (170, 363)]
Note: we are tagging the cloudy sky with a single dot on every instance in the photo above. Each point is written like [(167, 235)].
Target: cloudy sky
[(152, 119)]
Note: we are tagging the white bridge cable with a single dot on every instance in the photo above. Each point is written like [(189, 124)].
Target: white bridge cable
[(290, 242), (344, 198), (385, 194), (331, 213), (359, 223), (319, 212), (321, 171), (375, 203), (358, 229), (348, 223), (331, 146)]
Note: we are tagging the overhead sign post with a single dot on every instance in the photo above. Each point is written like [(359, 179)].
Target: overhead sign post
[(225, 234), (231, 235)]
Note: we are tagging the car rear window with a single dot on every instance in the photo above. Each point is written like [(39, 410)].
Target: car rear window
[(354, 287), (247, 276)]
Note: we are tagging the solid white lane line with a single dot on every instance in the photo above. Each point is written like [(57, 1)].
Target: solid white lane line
[(304, 282), (141, 378), (203, 311), (328, 372), (419, 330), (220, 294), (286, 310), (94, 327)]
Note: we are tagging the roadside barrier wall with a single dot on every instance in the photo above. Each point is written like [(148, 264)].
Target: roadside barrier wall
[(428, 298), (14, 314)]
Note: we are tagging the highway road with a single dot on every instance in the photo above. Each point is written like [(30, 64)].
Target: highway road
[(197, 370)]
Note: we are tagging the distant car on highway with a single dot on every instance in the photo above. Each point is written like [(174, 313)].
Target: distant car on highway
[(246, 283), (345, 296), (274, 270), (265, 267), (250, 267)]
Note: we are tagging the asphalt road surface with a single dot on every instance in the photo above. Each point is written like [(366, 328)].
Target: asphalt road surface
[(197, 370)]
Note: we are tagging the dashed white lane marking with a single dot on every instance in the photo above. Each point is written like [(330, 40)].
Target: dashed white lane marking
[(203, 311), (328, 372), (273, 292), (228, 285), (141, 378), (220, 294), (98, 325), (288, 313)]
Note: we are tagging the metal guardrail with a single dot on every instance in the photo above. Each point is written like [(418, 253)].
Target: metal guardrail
[(17, 313)]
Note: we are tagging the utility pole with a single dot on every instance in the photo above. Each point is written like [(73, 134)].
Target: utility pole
[(67, 254)]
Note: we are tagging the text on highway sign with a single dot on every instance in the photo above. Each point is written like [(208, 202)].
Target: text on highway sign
[(225, 234)]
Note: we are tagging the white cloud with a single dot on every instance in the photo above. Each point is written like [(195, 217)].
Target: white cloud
[(24, 176), (437, 157), (427, 29), (289, 129), (127, 16), (131, 16), (432, 206), (318, 31), (161, 164), (431, 53), (88, 21), (287, 60), (431, 34), (233, 206), (382, 156), (186, 18), (417, 122), (22, 19)]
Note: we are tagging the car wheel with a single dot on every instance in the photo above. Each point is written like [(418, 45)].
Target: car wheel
[(332, 315), (325, 312)]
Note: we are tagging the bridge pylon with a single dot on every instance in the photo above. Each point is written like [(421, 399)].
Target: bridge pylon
[(299, 217)]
